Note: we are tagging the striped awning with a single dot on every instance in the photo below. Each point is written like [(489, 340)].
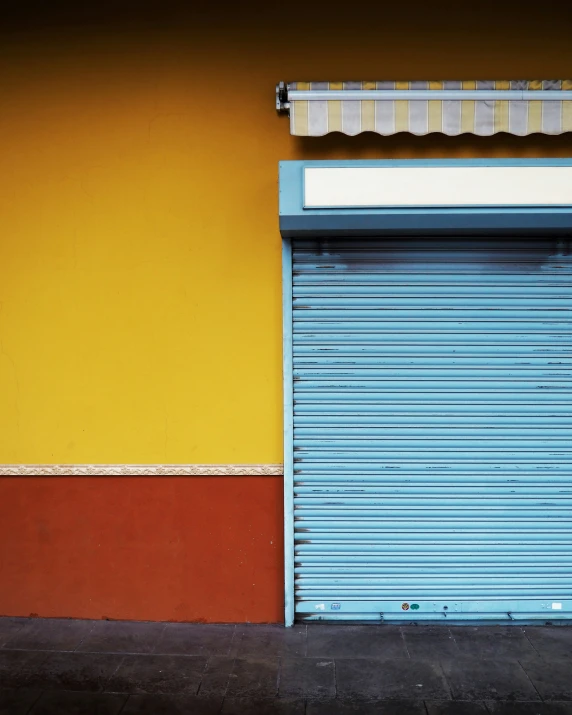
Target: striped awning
[(518, 107)]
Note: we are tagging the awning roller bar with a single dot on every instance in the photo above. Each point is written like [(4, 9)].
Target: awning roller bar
[(391, 95)]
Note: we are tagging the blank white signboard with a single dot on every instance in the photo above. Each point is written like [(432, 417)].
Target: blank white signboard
[(379, 187)]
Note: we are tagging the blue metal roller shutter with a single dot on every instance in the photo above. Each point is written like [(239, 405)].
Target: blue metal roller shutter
[(432, 424)]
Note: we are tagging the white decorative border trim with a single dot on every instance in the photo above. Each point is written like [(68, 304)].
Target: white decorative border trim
[(141, 470)]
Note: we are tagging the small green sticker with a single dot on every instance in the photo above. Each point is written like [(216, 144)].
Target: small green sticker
[(414, 606)]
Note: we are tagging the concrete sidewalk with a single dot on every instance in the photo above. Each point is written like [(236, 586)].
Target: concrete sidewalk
[(55, 667)]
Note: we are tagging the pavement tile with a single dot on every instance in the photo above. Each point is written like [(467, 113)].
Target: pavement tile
[(390, 679), (216, 676), (351, 707), (254, 678), (455, 707), (480, 679), (9, 627), (430, 642), (267, 706), (502, 707), (122, 637), (194, 639), (496, 642), (18, 667), (50, 634), (551, 642), (307, 678), (552, 678), (66, 703), (17, 702), (75, 671), (356, 642), (171, 705), (270, 641), (160, 674)]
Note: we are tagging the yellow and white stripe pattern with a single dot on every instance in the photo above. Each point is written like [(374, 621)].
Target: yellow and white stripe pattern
[(452, 117)]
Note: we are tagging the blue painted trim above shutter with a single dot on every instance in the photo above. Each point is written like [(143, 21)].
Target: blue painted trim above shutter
[(297, 222)]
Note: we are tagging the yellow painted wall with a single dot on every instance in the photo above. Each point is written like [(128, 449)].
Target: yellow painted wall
[(140, 305)]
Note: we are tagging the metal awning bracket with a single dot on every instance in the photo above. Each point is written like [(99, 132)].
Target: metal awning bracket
[(282, 103)]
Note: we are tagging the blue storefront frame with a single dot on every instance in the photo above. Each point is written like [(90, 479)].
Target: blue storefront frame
[(297, 222)]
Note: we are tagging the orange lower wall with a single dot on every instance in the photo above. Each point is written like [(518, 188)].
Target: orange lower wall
[(143, 548)]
